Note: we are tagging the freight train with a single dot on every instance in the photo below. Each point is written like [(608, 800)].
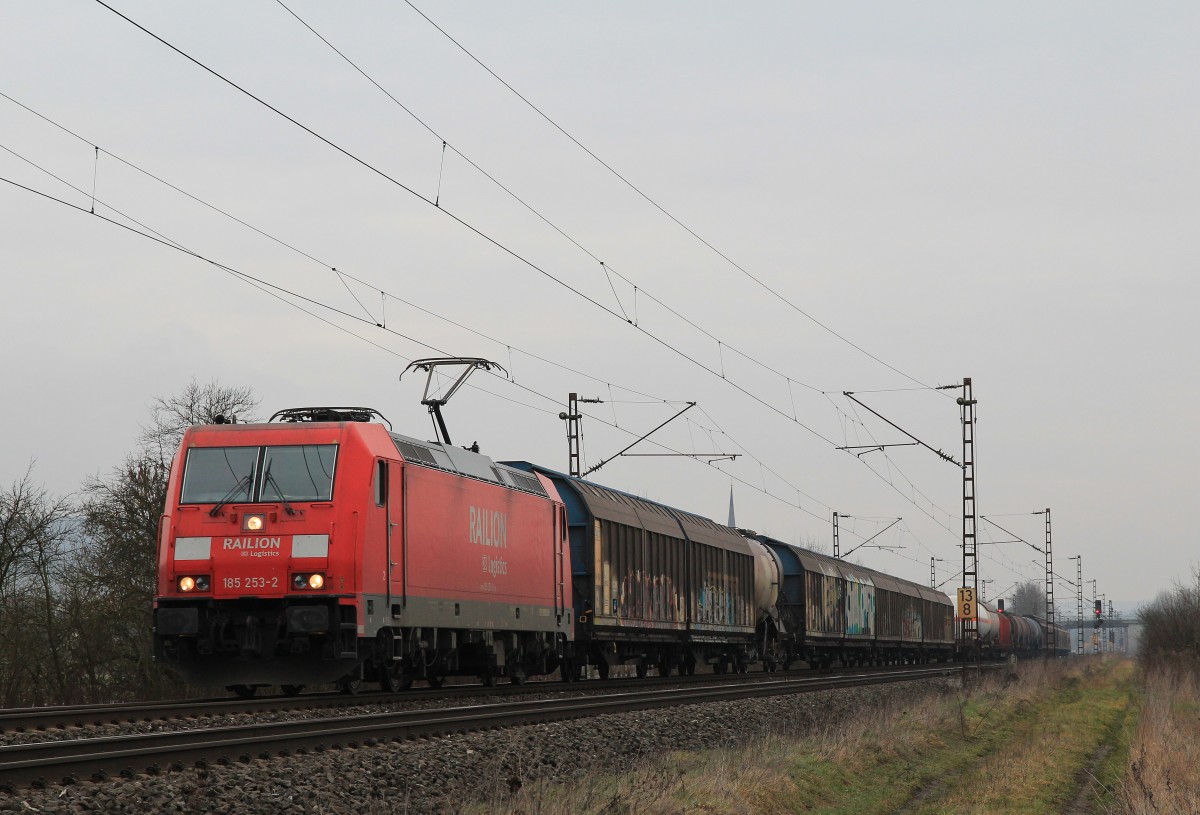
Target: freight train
[(321, 547), (1002, 633)]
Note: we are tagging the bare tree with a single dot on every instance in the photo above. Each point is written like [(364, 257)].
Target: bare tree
[(121, 514), (35, 533), (77, 579), (1029, 599), (195, 404)]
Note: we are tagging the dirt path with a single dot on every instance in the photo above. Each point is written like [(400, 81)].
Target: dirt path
[(1087, 784)]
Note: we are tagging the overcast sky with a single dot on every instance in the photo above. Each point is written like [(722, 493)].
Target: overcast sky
[(933, 191)]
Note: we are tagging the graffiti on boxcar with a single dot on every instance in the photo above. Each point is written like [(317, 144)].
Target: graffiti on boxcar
[(860, 608), (910, 623), (824, 603), (714, 604), (643, 596)]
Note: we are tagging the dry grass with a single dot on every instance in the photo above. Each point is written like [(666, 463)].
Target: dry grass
[(872, 762), (1019, 742), (1048, 755), (1163, 771)]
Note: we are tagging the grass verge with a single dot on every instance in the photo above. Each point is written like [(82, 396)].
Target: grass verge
[(1015, 743)]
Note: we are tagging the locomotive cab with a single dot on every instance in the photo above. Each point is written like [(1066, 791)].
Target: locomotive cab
[(256, 562)]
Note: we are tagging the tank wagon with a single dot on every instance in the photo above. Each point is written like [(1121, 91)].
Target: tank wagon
[(1002, 633)]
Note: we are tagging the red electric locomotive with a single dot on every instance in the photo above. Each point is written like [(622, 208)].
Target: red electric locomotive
[(320, 547)]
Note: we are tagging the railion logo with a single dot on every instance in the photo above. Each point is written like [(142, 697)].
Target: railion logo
[(489, 528), (243, 544)]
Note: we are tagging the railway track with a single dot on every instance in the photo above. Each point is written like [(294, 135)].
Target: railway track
[(73, 760), (44, 719)]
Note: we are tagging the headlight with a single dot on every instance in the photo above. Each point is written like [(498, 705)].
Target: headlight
[(308, 581), (253, 523), (196, 583)]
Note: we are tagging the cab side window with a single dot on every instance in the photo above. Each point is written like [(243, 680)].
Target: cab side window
[(381, 487)]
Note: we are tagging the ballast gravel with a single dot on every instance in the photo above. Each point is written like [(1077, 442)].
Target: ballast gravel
[(438, 775)]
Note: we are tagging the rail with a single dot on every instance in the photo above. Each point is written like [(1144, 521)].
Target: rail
[(71, 760)]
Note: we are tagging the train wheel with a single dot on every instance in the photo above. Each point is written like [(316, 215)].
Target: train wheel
[(518, 676), (641, 669), (243, 691), (350, 685), (719, 667), (602, 669), (689, 667), (568, 671), (664, 667), (436, 680), (393, 679), (291, 690)]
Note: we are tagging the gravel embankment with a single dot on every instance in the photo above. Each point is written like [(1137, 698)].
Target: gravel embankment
[(433, 775)]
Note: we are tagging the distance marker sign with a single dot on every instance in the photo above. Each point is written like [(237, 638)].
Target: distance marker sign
[(966, 603)]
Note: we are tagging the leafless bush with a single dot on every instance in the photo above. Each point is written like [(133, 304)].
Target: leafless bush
[(1171, 629)]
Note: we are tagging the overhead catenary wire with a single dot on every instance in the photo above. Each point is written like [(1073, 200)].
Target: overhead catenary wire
[(758, 281), (342, 276), (278, 291), (470, 227), (606, 268), (663, 343), (377, 324)]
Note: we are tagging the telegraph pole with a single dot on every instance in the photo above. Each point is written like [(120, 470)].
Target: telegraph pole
[(837, 547)]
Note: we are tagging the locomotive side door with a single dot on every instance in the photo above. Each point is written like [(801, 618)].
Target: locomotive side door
[(397, 538)]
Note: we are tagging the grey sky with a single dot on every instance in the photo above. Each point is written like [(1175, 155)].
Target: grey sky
[(1007, 194)]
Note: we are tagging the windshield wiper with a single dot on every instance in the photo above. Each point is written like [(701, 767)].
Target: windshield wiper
[(270, 479), (242, 484)]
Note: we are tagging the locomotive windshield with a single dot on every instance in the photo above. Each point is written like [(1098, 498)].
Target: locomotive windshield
[(302, 473), (251, 474)]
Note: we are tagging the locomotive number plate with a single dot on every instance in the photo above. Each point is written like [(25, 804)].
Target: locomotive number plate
[(250, 582)]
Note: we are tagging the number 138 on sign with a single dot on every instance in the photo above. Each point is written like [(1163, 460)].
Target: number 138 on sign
[(966, 603)]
